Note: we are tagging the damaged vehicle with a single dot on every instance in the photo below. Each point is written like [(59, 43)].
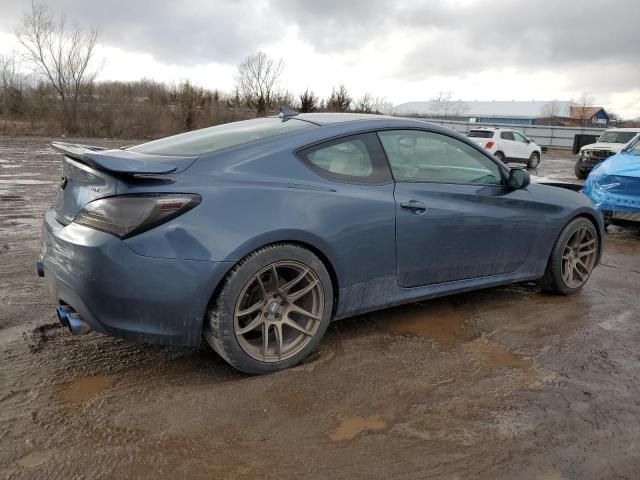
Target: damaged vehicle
[(614, 187), (254, 235), (610, 142)]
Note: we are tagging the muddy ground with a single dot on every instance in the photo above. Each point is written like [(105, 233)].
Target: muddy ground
[(499, 384)]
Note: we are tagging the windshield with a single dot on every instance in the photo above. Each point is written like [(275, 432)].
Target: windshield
[(616, 137), (480, 134), (635, 149), (215, 138)]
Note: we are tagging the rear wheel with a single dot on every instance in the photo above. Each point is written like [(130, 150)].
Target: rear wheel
[(272, 311), (534, 160), (580, 172), (573, 258), (500, 156)]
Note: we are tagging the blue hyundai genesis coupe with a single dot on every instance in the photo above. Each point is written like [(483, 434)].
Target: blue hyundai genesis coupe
[(255, 235)]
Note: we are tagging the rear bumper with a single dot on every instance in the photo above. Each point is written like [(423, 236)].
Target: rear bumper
[(123, 294)]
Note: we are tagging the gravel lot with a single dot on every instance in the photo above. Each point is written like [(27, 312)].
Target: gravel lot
[(499, 384)]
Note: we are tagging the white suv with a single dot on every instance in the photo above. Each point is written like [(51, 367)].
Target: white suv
[(507, 145)]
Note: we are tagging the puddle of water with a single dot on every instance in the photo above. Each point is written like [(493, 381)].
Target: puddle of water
[(499, 356), (438, 320), (35, 459), (83, 389), (351, 427)]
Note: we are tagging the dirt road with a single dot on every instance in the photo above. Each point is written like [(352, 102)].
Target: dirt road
[(500, 384)]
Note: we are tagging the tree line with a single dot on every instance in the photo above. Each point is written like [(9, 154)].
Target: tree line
[(49, 87)]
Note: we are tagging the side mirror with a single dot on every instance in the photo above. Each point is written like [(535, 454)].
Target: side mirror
[(518, 178), (528, 140)]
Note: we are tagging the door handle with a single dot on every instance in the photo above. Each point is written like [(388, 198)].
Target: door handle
[(414, 206)]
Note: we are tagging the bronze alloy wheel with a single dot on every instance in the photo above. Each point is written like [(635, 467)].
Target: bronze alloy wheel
[(579, 257), (279, 311)]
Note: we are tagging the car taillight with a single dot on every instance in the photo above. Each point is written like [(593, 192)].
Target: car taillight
[(128, 215), (489, 145)]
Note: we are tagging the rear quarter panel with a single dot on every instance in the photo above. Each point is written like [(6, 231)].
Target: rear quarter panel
[(250, 200)]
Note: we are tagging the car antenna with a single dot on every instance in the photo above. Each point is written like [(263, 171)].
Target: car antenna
[(286, 113)]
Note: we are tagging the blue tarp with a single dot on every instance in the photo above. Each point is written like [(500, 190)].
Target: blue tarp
[(614, 185)]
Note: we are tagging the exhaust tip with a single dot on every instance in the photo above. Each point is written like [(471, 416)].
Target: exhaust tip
[(61, 313), (77, 326), (72, 321)]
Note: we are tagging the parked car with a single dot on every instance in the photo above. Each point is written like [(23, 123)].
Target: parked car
[(255, 234), (610, 142), (614, 186), (507, 145)]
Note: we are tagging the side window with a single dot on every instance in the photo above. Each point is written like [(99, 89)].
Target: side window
[(519, 137), (507, 136), (417, 156), (355, 159)]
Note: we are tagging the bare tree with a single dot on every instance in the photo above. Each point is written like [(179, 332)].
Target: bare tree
[(550, 111), (340, 100), (257, 80), (308, 102), (9, 82), (443, 105), (581, 107), (382, 106), (365, 104), (286, 99), (61, 54)]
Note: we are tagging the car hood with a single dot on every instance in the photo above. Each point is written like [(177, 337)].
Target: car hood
[(612, 147)]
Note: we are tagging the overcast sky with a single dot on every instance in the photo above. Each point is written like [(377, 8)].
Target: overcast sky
[(402, 50)]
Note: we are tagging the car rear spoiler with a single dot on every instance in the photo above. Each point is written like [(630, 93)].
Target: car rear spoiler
[(123, 161)]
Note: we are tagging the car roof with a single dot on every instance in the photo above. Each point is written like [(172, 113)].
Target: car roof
[(331, 118)]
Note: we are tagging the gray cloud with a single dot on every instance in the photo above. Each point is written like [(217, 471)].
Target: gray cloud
[(520, 33), (172, 31), (592, 40)]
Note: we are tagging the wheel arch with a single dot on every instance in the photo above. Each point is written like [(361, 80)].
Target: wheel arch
[(252, 246)]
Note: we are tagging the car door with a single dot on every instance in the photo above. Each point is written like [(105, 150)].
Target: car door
[(523, 144), (455, 217), (509, 144)]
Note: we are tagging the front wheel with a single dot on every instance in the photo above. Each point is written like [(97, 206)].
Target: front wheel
[(272, 311), (534, 160), (572, 259)]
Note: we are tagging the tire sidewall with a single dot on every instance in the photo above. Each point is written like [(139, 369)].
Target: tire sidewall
[(534, 160), (225, 306), (558, 250)]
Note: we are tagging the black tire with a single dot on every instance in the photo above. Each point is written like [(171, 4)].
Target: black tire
[(500, 156), (534, 160), (552, 281), (219, 329), (581, 174)]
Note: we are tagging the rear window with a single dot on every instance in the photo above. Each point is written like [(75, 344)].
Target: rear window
[(480, 134), (215, 138)]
